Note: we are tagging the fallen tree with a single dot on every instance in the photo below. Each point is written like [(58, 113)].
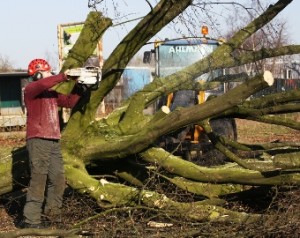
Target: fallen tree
[(128, 137)]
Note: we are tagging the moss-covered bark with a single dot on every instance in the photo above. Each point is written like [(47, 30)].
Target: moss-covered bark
[(164, 12), (289, 161), (110, 194), (210, 190), (102, 141), (94, 27), (14, 170), (229, 173)]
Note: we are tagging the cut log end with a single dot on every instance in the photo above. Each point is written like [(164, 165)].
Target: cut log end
[(165, 109), (161, 113), (268, 77)]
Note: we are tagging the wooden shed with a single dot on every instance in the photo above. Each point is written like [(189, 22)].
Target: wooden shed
[(12, 109)]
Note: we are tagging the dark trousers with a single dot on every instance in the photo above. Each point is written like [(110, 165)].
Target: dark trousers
[(47, 178)]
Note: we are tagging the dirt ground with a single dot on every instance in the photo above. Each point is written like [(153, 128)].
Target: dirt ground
[(252, 132), (280, 206), (280, 209)]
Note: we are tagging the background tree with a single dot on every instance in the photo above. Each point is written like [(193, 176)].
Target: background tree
[(5, 64), (272, 35)]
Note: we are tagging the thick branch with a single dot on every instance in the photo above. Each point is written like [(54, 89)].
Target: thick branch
[(40, 233), (215, 60), (122, 145), (253, 56), (110, 195), (222, 174), (209, 190), (272, 120), (273, 99), (257, 23), (160, 16), (94, 27)]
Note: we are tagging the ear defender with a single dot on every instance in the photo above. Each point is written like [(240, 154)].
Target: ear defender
[(37, 76)]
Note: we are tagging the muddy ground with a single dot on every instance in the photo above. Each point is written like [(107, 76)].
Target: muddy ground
[(280, 207)]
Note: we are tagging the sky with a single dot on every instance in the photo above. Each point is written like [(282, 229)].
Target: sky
[(29, 27)]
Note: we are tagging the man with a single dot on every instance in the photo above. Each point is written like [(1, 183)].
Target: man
[(42, 142)]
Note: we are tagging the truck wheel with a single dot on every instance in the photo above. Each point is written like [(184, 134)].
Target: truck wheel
[(224, 127)]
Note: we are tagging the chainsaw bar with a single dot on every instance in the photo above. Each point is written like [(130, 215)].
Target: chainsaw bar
[(88, 76)]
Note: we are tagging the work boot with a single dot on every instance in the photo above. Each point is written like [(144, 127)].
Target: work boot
[(51, 217)]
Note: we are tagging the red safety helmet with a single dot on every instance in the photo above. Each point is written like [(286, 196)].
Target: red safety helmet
[(37, 65)]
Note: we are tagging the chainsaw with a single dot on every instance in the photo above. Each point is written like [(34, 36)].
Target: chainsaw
[(88, 76)]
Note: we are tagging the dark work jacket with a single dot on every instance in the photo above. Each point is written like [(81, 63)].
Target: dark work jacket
[(42, 107)]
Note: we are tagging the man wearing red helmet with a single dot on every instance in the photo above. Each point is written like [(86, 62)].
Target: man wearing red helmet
[(42, 142)]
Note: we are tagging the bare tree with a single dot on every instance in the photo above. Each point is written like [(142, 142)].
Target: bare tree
[(272, 35), (5, 64)]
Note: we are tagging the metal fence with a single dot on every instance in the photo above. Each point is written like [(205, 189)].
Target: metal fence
[(280, 85)]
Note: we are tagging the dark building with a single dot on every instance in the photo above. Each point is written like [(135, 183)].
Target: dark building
[(12, 110)]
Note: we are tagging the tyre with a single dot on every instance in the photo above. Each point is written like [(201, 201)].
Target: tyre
[(181, 141), (223, 127)]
